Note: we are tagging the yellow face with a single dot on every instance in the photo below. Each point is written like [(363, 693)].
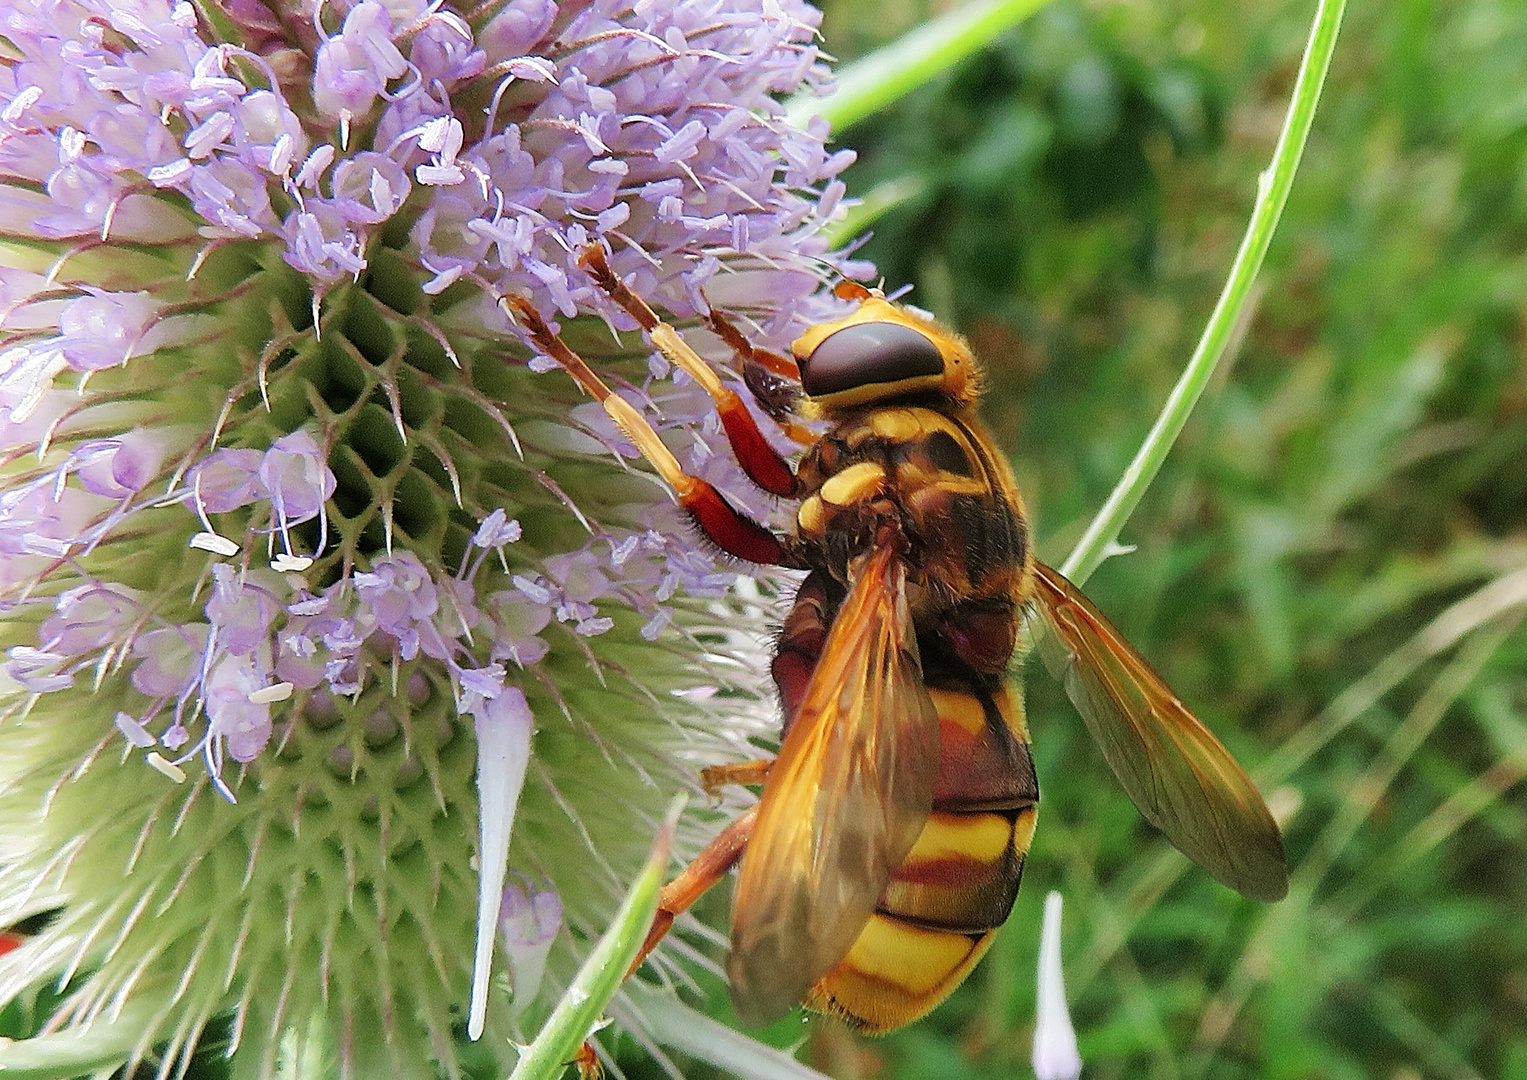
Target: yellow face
[(882, 350)]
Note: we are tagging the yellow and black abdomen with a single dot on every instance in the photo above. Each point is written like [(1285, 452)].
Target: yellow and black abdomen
[(964, 524), (942, 906)]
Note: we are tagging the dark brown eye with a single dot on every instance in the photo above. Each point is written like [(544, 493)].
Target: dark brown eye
[(865, 353)]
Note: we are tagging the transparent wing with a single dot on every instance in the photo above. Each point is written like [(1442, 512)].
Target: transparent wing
[(844, 802), (1180, 776)]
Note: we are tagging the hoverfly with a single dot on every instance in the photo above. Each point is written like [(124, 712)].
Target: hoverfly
[(888, 842)]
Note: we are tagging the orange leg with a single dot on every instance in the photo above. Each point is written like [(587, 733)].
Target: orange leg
[(709, 867), (745, 773), (765, 373), (587, 1063), (746, 351), (758, 459), (732, 533)]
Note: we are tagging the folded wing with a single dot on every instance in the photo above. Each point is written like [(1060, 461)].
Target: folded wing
[(1180, 776), (844, 802)]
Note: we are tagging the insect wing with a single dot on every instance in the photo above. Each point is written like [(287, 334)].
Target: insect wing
[(1180, 776), (844, 802)]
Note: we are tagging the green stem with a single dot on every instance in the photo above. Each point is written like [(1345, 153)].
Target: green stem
[(873, 82), (1272, 193), (576, 1015)]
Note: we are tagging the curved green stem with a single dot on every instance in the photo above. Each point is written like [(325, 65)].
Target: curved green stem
[(576, 1016), (1272, 193)]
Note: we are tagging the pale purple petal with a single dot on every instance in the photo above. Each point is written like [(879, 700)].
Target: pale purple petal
[(169, 659), (296, 477), (228, 479), (244, 724)]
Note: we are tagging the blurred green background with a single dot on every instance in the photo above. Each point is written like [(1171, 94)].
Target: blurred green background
[(1332, 567)]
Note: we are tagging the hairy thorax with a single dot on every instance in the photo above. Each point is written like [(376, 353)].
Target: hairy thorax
[(928, 470)]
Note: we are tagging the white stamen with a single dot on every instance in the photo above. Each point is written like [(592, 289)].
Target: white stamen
[(134, 731), (266, 694), (174, 772), (71, 143), (21, 103), (284, 562), (1055, 1054), (218, 545)]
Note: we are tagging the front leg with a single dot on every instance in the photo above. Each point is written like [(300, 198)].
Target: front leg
[(764, 466), (718, 519)]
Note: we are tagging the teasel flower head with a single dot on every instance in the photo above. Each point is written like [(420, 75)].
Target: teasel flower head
[(318, 591)]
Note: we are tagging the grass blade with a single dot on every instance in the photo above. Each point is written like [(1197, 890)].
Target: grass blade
[(875, 202), (873, 82)]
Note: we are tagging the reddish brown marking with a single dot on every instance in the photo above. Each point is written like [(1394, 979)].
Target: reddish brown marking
[(731, 532), (989, 771), (959, 907), (792, 672), (950, 872), (758, 459), (801, 640)]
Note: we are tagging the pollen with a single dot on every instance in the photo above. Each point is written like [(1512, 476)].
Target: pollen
[(173, 771), (267, 695), (218, 545)]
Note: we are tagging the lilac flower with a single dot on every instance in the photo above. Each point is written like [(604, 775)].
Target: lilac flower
[(287, 517), (528, 921)]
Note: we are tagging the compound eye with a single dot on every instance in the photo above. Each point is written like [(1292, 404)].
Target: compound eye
[(866, 353)]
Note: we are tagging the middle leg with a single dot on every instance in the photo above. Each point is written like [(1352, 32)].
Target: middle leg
[(743, 773)]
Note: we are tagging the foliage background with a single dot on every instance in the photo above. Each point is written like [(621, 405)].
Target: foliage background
[(1332, 567)]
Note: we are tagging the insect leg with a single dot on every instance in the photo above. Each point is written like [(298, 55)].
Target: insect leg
[(733, 533), (746, 773), (774, 380), (695, 880), (764, 466), (747, 352)]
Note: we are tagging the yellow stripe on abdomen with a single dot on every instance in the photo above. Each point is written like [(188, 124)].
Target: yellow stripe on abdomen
[(937, 917), (896, 973), (963, 873)]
